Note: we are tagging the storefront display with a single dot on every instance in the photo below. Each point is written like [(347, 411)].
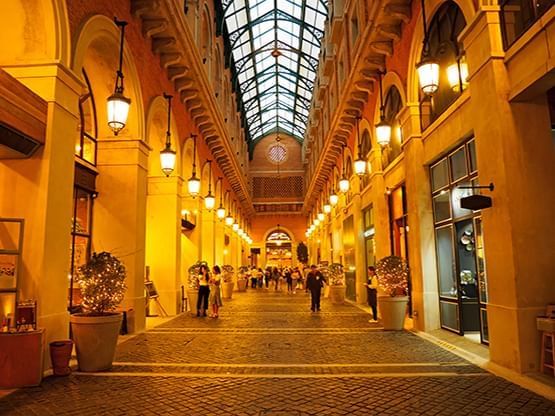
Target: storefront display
[(459, 246)]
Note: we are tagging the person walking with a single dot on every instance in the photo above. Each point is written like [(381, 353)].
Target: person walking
[(260, 278), (254, 278), (276, 276), (294, 279), (203, 290), (215, 298), (372, 291), (314, 283), (289, 280)]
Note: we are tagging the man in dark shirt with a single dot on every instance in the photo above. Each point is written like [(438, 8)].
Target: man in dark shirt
[(314, 283)]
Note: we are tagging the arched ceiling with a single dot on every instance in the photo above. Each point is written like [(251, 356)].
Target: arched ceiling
[(276, 88)]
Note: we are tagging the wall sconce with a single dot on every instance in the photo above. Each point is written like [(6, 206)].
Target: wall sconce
[(117, 103), (220, 212), (209, 199), (193, 184), (360, 164), (427, 68), (167, 156), (383, 128)]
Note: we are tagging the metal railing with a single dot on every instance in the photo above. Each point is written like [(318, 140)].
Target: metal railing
[(518, 15)]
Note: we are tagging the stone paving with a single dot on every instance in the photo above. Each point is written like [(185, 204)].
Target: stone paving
[(269, 355)]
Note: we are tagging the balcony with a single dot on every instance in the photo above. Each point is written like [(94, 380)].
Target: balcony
[(517, 16)]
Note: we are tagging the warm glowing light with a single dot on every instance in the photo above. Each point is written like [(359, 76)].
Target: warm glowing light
[(184, 212), (193, 185), (321, 216), (78, 149), (220, 212), (229, 220), (209, 201), (235, 226), (327, 208), (316, 222), (453, 75), (167, 160), (383, 133), (334, 199), (118, 111), (360, 167), (225, 251), (428, 76), (344, 185)]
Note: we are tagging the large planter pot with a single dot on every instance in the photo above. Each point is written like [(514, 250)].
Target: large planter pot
[(393, 311), (337, 294), (60, 354), (95, 340), (227, 290), (242, 285), (21, 359), (192, 296)]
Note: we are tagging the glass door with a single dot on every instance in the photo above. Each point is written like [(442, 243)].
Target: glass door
[(482, 280)]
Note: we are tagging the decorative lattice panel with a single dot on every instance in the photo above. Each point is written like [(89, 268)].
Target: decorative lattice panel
[(278, 208), (274, 187)]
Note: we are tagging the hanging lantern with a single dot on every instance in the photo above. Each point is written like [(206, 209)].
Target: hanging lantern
[(220, 212), (457, 74), (327, 208), (167, 155), (428, 68), (344, 184), (428, 75), (321, 217), (334, 198), (360, 163), (117, 103), (193, 184), (229, 220), (235, 226), (209, 199), (360, 166), (383, 133)]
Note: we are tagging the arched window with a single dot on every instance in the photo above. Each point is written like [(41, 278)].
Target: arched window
[(85, 145), (392, 105), (445, 27)]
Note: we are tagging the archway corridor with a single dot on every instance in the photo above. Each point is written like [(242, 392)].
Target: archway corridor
[(268, 354)]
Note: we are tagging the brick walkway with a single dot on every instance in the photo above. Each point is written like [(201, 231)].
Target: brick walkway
[(269, 355)]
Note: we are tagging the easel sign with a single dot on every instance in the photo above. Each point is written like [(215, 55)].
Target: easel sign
[(152, 293)]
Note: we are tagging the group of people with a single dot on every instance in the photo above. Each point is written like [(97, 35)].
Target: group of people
[(209, 293), (275, 277), (209, 284)]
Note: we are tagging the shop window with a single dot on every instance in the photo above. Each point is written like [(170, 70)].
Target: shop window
[(462, 281), (392, 106), (85, 146), (399, 229), (369, 236), (80, 239), (444, 29)]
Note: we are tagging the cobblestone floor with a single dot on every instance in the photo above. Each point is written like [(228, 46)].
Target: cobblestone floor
[(269, 355)]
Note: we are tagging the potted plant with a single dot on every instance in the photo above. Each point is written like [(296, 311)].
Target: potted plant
[(393, 272), (243, 279), (192, 286), (95, 331), (336, 280), (228, 284)]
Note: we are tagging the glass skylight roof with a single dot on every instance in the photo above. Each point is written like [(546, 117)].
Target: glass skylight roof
[(276, 93)]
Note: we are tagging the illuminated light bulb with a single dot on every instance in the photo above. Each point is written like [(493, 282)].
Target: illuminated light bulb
[(334, 199), (383, 133), (321, 216), (229, 220), (118, 111), (220, 212), (209, 201), (327, 208), (193, 185), (167, 160), (360, 166)]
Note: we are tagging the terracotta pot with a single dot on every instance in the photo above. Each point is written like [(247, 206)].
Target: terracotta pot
[(227, 290), (95, 340), (337, 294), (192, 295), (60, 354), (393, 311), (242, 285)]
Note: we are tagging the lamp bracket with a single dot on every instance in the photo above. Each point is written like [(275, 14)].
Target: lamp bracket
[(491, 187)]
